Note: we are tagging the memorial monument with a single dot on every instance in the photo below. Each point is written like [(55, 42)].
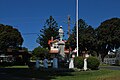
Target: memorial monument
[(55, 62), (37, 65), (45, 63), (71, 61), (85, 61), (61, 45)]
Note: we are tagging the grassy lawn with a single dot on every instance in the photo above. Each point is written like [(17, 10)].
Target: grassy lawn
[(16, 67), (24, 73), (92, 75)]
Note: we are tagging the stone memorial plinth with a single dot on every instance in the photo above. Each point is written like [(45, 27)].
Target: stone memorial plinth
[(61, 45)]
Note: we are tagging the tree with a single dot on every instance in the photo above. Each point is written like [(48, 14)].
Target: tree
[(25, 49), (9, 37), (108, 36), (50, 29), (86, 37), (40, 52)]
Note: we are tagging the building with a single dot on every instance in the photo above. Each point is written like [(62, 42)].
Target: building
[(110, 58), (113, 57), (15, 56), (54, 48)]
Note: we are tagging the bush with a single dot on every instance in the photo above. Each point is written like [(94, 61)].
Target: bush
[(93, 63), (79, 62), (31, 65)]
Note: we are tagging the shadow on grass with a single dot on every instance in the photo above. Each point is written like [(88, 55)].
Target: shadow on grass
[(32, 74)]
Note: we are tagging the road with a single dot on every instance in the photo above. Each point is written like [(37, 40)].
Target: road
[(110, 67)]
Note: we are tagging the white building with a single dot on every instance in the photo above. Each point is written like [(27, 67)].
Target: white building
[(113, 57), (54, 48)]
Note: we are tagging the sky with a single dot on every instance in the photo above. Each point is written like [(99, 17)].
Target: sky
[(29, 16)]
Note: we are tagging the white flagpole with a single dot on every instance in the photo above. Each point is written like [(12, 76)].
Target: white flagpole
[(77, 25)]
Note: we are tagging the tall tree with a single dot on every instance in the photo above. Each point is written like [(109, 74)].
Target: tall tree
[(9, 37), (50, 29), (87, 39), (86, 36), (108, 35)]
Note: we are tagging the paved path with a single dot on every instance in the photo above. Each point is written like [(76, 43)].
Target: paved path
[(110, 67)]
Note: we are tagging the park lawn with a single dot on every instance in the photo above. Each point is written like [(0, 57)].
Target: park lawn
[(92, 75), (24, 73), (16, 67)]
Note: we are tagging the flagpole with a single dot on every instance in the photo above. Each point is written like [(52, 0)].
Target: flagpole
[(77, 25)]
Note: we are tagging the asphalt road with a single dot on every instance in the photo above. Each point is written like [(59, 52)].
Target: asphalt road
[(110, 67)]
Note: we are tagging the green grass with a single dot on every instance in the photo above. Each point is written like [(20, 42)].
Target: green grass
[(23, 73), (16, 67), (92, 75), (104, 65)]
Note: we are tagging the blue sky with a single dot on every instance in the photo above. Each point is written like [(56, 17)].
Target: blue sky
[(29, 16)]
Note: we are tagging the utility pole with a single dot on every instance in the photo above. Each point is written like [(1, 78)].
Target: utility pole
[(68, 26)]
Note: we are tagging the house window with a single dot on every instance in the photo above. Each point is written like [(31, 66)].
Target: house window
[(54, 46)]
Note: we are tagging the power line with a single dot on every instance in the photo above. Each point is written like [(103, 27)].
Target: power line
[(68, 26), (30, 33)]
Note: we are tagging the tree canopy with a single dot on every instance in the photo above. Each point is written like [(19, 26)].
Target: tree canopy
[(86, 36), (108, 35), (50, 29), (40, 52), (101, 40), (9, 37)]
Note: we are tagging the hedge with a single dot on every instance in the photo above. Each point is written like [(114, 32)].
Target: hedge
[(92, 63), (79, 62)]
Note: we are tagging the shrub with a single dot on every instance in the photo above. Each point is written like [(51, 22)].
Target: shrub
[(79, 62), (31, 65), (93, 63)]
